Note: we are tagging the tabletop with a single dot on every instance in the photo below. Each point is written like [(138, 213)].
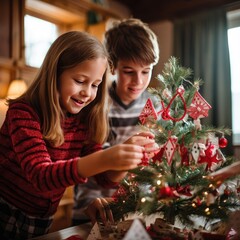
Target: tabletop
[(80, 230)]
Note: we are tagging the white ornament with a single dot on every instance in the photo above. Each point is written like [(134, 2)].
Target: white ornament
[(195, 152), (137, 231)]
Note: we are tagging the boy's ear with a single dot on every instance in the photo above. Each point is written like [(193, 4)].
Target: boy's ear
[(112, 69)]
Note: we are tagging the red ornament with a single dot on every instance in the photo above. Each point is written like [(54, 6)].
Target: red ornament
[(148, 111), (145, 160), (184, 190), (222, 142), (166, 192), (199, 107), (165, 114), (158, 156), (209, 150), (184, 156), (197, 201), (209, 157), (227, 191)]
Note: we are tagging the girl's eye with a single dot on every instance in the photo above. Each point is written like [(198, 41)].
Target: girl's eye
[(95, 86), (78, 81)]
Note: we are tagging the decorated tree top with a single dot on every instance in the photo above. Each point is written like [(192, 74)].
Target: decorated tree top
[(173, 183)]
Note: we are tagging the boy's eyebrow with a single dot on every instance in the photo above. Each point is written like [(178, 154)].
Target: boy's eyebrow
[(129, 67)]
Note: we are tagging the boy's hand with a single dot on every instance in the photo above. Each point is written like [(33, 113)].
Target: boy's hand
[(100, 207)]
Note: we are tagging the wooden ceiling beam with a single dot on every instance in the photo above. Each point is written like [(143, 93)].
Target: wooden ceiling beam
[(82, 6), (155, 10)]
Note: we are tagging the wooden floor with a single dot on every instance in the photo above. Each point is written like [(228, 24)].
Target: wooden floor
[(81, 231)]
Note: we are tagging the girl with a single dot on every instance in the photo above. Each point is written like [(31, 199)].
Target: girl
[(49, 133)]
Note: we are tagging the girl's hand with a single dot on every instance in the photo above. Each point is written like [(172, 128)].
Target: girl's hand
[(129, 155), (122, 157), (100, 207), (141, 138), (145, 139)]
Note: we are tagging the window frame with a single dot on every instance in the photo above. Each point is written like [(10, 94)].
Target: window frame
[(233, 18)]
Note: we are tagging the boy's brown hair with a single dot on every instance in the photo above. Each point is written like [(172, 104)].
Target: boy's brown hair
[(131, 39)]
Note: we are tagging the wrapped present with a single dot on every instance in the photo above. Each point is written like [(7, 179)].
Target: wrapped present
[(164, 231), (124, 230), (159, 230), (205, 235)]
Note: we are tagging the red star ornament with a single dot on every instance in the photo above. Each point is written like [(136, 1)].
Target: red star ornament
[(148, 111), (199, 107), (209, 159)]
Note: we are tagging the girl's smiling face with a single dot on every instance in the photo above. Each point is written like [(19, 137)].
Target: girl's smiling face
[(78, 85)]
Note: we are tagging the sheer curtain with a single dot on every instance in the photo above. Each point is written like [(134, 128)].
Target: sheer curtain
[(201, 43)]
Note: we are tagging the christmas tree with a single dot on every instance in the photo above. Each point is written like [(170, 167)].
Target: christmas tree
[(174, 184)]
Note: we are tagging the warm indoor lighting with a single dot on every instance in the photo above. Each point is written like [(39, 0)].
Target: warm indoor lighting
[(3, 110), (16, 88)]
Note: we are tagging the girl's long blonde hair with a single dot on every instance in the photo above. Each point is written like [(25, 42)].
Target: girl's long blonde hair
[(67, 51)]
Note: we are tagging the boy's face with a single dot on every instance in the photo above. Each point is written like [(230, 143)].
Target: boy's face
[(132, 79)]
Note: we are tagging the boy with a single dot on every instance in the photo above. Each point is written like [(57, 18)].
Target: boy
[(133, 50)]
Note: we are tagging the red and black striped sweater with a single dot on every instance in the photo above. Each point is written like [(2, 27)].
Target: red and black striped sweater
[(33, 174)]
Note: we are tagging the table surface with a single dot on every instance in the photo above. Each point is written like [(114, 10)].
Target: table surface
[(81, 230)]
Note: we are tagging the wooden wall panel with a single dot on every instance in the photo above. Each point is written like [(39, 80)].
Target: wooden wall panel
[(5, 28), (11, 46)]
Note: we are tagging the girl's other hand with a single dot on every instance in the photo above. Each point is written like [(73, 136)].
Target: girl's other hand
[(227, 172)]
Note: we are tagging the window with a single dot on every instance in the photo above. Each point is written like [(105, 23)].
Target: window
[(39, 35), (43, 23), (234, 51)]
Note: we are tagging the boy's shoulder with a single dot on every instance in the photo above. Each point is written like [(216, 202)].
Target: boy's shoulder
[(146, 95)]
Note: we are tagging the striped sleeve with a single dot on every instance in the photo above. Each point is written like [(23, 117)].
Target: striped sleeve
[(32, 154)]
